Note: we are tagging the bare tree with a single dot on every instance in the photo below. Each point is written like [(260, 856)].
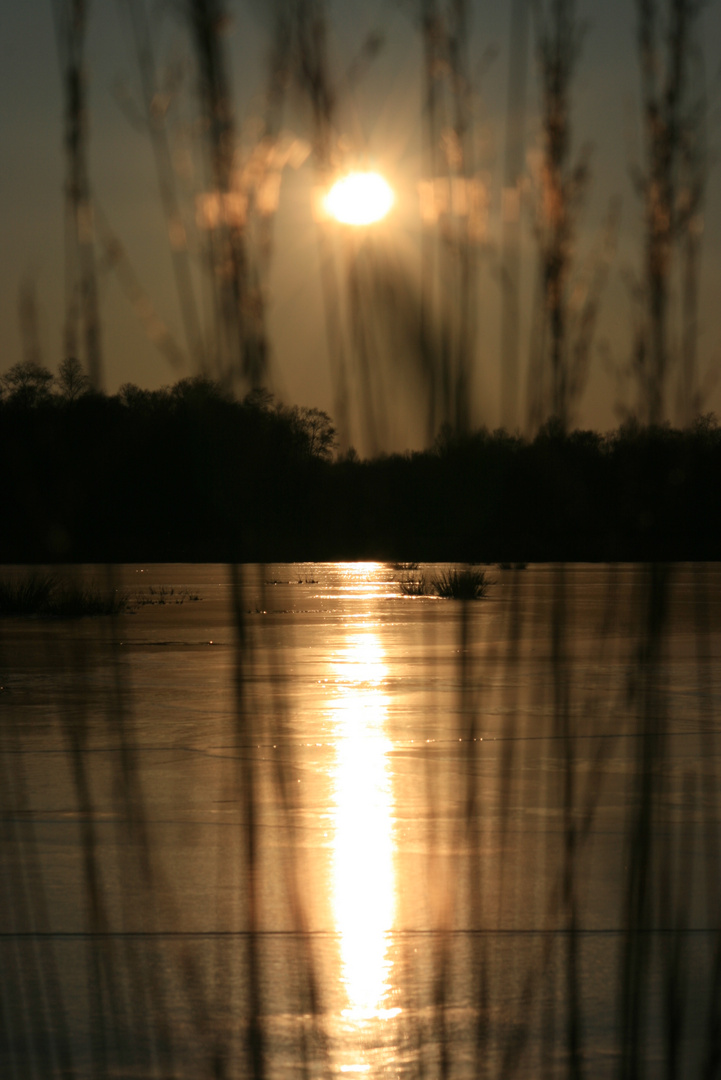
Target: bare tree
[(28, 382), (317, 430), (72, 382)]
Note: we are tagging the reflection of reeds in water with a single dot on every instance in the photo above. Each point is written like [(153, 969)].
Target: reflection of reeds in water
[(160, 1004)]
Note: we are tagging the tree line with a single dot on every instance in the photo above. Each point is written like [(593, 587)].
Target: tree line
[(189, 473)]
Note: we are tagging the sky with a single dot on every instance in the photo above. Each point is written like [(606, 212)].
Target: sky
[(379, 121)]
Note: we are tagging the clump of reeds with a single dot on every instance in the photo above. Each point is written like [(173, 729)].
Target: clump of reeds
[(465, 584), (70, 600), (28, 596), (47, 596), (671, 184), (164, 595), (413, 585)]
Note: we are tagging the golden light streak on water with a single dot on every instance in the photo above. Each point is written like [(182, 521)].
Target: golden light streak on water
[(363, 870)]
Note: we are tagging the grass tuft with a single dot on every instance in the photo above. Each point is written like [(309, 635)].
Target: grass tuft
[(73, 601), (465, 584), (29, 596), (413, 585), (46, 596), (163, 595)]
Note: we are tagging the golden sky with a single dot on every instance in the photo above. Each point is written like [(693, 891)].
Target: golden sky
[(378, 125)]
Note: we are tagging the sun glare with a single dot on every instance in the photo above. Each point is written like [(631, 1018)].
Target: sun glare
[(363, 871), (360, 198)]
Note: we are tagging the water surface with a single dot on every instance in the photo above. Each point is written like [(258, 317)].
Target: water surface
[(304, 822)]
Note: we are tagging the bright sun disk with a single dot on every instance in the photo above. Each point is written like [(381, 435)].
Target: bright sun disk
[(359, 199)]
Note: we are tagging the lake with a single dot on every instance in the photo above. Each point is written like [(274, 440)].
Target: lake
[(287, 821)]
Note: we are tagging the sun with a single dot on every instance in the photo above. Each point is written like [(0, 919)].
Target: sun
[(360, 198)]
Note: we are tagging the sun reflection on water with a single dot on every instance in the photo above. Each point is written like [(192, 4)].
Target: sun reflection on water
[(363, 871)]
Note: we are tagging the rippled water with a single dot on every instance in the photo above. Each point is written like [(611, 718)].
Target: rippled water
[(370, 835)]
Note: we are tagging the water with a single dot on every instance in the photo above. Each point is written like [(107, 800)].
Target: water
[(372, 835)]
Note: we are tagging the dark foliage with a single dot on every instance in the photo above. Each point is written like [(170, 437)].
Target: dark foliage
[(190, 474)]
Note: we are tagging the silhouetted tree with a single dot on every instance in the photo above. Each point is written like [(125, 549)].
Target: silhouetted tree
[(186, 472), (316, 428), (136, 397), (28, 383), (198, 390), (259, 398), (72, 382)]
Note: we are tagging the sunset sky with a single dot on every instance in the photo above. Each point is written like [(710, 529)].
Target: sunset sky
[(380, 123)]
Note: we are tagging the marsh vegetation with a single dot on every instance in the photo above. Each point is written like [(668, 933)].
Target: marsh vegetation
[(466, 583), (455, 583), (52, 597)]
